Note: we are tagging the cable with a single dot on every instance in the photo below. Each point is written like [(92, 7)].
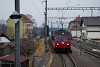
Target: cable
[(36, 8), (66, 2), (42, 5)]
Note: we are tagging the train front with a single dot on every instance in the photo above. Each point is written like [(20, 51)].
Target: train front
[(62, 42)]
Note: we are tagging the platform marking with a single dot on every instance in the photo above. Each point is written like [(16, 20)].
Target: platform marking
[(97, 50)]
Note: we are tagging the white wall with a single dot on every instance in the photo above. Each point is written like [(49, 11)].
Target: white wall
[(93, 28), (74, 33), (93, 35)]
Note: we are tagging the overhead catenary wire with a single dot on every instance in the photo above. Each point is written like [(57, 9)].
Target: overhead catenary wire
[(36, 8), (42, 5), (66, 2)]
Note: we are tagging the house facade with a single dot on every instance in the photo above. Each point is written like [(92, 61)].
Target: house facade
[(10, 28), (26, 27), (91, 28), (74, 27)]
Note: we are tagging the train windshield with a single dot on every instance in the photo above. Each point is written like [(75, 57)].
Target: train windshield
[(59, 38), (62, 38), (66, 38)]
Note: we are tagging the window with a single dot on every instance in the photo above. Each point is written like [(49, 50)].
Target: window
[(63, 38)]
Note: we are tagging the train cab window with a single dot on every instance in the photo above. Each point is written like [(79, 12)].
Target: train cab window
[(66, 38), (59, 38)]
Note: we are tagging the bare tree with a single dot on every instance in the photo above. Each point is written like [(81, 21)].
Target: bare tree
[(32, 19)]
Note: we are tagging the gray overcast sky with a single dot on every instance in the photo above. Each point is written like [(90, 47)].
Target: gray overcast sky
[(36, 8)]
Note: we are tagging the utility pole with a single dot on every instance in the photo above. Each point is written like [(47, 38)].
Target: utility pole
[(61, 24), (76, 28), (45, 13), (92, 12), (17, 36), (51, 32)]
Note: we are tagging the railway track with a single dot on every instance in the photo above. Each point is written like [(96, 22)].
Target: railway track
[(74, 63), (64, 63), (62, 60), (88, 50), (91, 53)]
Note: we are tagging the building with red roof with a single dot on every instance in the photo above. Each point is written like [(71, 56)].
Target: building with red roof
[(6, 46), (9, 60), (26, 26)]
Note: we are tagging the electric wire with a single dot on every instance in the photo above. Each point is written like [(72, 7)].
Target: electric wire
[(30, 9), (41, 6), (36, 8), (66, 2)]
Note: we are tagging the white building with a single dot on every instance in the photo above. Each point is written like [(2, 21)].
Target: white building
[(91, 27)]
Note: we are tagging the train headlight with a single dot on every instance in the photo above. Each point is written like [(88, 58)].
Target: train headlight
[(57, 44), (67, 44)]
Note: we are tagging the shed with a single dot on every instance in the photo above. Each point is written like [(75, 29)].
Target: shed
[(9, 61), (6, 46)]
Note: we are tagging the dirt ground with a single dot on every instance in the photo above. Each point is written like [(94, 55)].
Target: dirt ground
[(39, 51)]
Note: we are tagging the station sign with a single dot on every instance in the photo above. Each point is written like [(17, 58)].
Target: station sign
[(15, 16)]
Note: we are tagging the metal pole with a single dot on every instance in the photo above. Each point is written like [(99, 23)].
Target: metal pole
[(76, 30), (81, 40), (92, 12), (17, 36), (46, 46), (51, 32), (62, 25)]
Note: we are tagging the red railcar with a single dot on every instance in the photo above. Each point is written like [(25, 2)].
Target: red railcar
[(62, 40)]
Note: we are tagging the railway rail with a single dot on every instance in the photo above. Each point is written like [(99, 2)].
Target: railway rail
[(65, 59), (91, 53), (74, 63), (87, 49), (64, 63)]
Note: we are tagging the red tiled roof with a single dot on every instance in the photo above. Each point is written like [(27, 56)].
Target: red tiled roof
[(25, 19), (77, 18), (11, 58)]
